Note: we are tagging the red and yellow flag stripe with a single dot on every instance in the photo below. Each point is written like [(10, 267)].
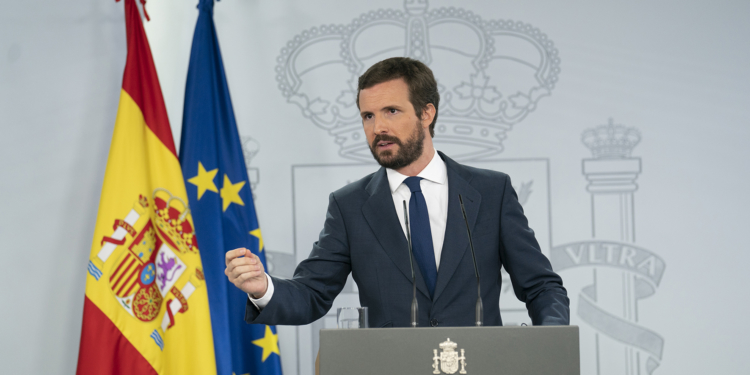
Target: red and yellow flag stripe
[(146, 306)]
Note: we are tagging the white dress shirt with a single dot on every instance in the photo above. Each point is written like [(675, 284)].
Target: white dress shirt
[(434, 186)]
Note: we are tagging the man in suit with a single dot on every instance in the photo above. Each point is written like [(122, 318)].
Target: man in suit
[(365, 229)]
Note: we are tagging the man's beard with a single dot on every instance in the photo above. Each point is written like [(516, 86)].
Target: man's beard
[(407, 152)]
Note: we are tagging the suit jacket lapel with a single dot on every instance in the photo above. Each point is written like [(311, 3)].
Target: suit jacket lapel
[(380, 214), (456, 242)]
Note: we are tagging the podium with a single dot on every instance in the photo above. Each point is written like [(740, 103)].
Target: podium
[(522, 350)]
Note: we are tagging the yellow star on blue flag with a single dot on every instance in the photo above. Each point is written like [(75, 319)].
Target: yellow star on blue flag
[(256, 233), (230, 193), (269, 343), (204, 180)]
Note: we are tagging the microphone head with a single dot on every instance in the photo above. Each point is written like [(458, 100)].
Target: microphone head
[(463, 210)]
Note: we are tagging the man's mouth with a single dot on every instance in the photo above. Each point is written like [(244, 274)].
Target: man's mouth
[(383, 143), (385, 147)]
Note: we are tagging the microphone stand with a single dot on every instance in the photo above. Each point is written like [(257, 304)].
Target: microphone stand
[(414, 307), (479, 309)]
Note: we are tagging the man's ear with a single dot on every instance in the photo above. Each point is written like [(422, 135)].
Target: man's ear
[(428, 114)]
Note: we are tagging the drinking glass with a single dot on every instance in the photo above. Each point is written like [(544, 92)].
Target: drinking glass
[(352, 317)]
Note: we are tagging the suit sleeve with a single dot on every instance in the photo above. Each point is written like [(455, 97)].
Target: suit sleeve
[(534, 281), (317, 280)]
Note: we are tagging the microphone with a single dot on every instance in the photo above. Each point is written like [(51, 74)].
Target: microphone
[(479, 310), (414, 307)]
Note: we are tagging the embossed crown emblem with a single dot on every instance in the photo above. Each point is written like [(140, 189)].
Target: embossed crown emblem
[(491, 74), (611, 141), (448, 345)]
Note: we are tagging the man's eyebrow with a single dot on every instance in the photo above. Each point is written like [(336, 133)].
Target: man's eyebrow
[(386, 108)]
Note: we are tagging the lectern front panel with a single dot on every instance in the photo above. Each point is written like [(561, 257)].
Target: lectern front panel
[(458, 350)]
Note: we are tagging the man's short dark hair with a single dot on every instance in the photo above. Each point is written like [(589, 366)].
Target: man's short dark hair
[(422, 85)]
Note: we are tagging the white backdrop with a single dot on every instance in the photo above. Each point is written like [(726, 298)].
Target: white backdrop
[(663, 256)]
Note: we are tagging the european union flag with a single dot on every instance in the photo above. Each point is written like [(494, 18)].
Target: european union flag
[(222, 204)]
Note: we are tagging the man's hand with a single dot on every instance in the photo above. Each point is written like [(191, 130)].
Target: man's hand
[(245, 271)]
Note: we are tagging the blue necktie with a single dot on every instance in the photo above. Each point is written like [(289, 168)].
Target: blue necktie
[(421, 235)]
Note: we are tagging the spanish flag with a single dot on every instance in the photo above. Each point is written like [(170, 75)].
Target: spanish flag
[(146, 306)]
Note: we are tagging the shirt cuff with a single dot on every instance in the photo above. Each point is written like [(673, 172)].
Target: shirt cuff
[(262, 302)]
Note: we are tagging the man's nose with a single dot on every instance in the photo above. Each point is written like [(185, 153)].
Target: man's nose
[(381, 127)]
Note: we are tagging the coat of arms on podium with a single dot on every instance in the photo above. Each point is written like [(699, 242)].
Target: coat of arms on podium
[(448, 360)]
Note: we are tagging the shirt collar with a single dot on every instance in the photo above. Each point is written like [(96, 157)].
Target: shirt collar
[(435, 171)]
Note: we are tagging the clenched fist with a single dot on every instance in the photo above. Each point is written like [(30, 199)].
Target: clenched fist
[(245, 271)]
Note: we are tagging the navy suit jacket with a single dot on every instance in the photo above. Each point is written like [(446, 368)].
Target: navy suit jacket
[(362, 235)]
